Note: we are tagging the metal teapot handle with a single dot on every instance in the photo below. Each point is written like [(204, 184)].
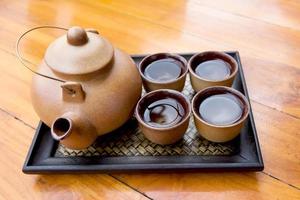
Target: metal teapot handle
[(23, 61)]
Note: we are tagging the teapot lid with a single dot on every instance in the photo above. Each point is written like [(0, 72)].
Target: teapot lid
[(80, 51)]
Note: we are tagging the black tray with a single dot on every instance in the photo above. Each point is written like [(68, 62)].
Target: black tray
[(131, 152)]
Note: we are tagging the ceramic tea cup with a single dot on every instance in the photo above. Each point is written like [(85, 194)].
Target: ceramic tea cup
[(163, 116), (212, 68), (219, 113), (163, 71)]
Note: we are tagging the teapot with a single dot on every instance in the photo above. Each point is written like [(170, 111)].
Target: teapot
[(92, 90)]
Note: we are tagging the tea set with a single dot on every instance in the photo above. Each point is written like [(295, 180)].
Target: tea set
[(94, 88)]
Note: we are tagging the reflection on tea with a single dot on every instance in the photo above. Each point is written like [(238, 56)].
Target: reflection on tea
[(221, 109), (163, 70), (164, 113), (214, 70)]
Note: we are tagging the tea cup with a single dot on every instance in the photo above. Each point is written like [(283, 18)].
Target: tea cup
[(163, 116), (163, 71), (212, 68), (219, 113)]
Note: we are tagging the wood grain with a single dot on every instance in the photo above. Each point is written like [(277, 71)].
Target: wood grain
[(273, 84), (279, 138), (282, 13), (250, 36), (269, 45), (211, 186), (15, 87)]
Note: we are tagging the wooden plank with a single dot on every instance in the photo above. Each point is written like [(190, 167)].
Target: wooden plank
[(250, 186), (279, 137), (15, 89), (279, 12), (273, 84), (250, 36), (15, 139), (111, 24), (247, 35)]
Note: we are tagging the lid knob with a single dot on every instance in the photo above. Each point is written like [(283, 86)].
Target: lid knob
[(77, 36)]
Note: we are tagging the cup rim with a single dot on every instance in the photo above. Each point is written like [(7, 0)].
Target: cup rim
[(172, 55), (188, 114), (192, 71), (223, 88)]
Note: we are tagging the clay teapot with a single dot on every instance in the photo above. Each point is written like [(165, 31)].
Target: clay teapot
[(100, 88)]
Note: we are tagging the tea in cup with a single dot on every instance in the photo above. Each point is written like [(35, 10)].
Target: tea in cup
[(212, 68), (219, 113), (163, 115), (163, 71)]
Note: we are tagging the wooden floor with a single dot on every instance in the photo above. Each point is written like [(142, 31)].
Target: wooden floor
[(267, 35)]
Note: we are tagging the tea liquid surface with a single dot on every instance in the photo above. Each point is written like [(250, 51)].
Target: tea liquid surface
[(214, 70), (164, 113), (221, 109), (163, 70)]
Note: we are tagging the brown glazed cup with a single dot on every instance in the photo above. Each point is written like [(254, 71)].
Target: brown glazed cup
[(199, 83), (167, 134), (219, 133), (151, 85)]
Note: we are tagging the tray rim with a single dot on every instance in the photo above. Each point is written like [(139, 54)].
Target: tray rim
[(199, 166)]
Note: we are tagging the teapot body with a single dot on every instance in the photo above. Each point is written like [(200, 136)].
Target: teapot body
[(87, 105)]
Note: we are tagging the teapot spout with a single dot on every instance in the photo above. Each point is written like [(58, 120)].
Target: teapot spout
[(61, 128), (73, 131)]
